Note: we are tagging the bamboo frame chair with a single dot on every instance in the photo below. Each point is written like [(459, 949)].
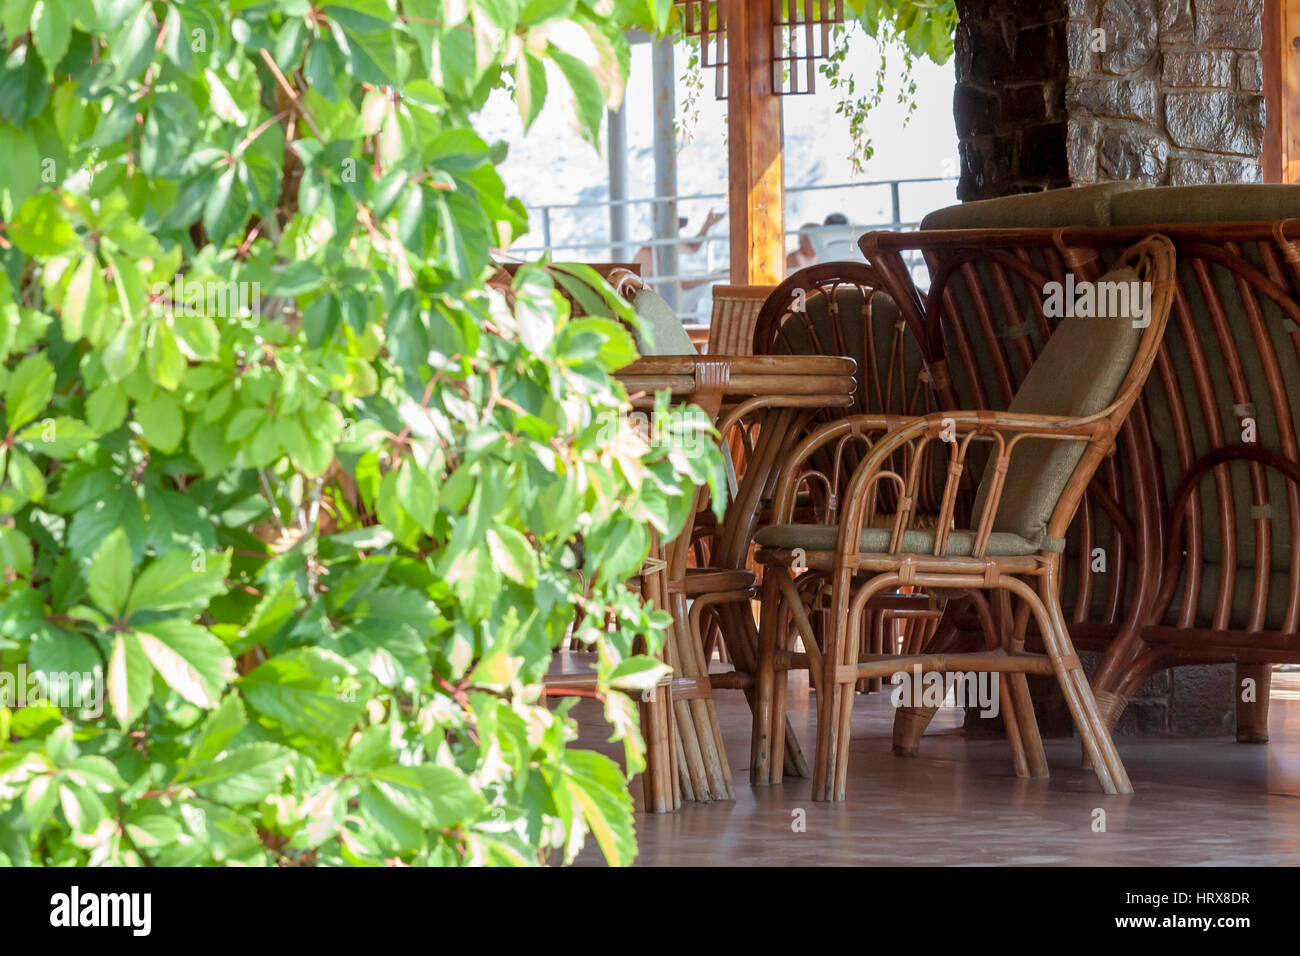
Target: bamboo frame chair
[(735, 313), (857, 569), (1200, 523), (836, 308)]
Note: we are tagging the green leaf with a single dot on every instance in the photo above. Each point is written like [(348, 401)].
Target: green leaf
[(109, 580), (307, 690), (122, 353), (60, 437), (589, 100), (51, 29), (85, 301), (20, 173), (41, 227), (83, 810), (219, 728), (31, 386), (165, 362), (16, 16), (191, 660), (15, 551), (246, 774), (226, 209), (161, 422), (106, 408), (596, 787), (26, 478), (513, 555), (436, 796), (179, 581), (209, 446), (23, 87), (130, 679)]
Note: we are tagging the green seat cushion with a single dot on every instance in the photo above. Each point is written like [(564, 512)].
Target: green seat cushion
[(1077, 373), (667, 335), (1073, 206), (822, 537), (1227, 202)]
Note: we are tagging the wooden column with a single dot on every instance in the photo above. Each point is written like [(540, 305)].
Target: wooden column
[(755, 148), (1281, 56)]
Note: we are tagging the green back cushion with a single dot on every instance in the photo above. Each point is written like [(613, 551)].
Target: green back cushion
[(1194, 330), (865, 329), (1074, 206), (1077, 373), (667, 334), (1244, 202), (889, 376)]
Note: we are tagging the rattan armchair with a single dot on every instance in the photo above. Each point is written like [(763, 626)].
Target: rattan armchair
[(1041, 454)]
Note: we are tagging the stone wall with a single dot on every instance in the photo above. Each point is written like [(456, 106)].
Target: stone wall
[(1058, 92)]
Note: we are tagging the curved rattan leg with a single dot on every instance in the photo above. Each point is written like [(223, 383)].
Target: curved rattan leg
[(910, 722), (760, 770), (849, 648), (994, 637), (1252, 715), (909, 725), (1013, 641), (828, 698), (1092, 728)]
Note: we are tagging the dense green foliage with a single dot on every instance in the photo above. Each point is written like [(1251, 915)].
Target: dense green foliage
[(317, 512)]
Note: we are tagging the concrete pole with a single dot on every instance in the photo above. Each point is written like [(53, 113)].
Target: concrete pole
[(665, 155), (616, 155)]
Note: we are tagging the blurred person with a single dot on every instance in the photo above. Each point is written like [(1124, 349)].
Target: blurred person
[(806, 254), (645, 256), (837, 239)]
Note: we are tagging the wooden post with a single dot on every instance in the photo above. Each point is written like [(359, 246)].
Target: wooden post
[(1273, 54), (1281, 55), (755, 147)]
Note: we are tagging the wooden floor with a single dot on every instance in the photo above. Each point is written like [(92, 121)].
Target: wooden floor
[(1198, 802)]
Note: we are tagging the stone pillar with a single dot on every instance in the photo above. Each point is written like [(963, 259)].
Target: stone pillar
[(1059, 92)]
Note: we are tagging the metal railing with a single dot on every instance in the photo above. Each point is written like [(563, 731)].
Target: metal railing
[(714, 246)]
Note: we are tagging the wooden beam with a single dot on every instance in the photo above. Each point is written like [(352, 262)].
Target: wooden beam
[(1281, 55), (1272, 54), (755, 148)]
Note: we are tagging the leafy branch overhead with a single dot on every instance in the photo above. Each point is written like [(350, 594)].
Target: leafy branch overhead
[(290, 483)]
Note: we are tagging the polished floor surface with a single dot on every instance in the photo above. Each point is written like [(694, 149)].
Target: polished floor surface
[(1198, 802)]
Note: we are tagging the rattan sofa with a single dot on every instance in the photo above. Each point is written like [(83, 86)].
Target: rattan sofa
[(1197, 514)]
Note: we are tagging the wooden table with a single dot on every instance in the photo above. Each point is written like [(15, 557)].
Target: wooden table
[(772, 398)]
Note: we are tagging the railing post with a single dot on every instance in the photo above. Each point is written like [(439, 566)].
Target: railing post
[(665, 152), (896, 207), (616, 147)]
